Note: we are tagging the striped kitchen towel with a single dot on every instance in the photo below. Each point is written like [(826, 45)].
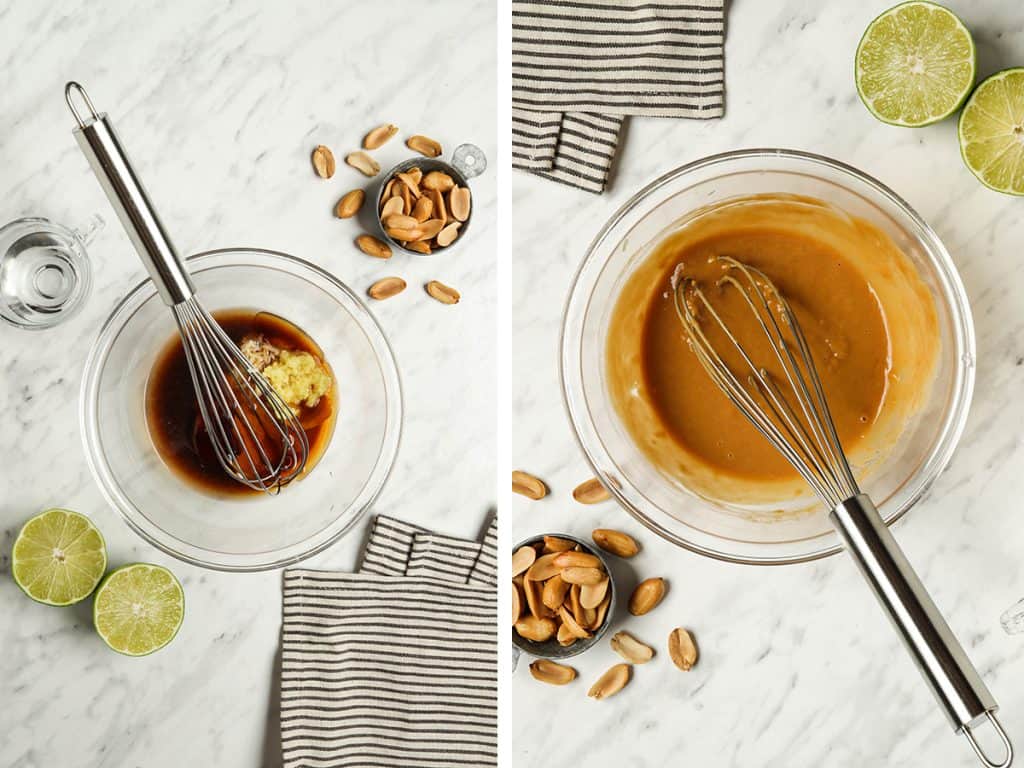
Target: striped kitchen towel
[(395, 666), (578, 68)]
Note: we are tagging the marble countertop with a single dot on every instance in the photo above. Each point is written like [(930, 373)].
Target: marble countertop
[(220, 104), (798, 666)]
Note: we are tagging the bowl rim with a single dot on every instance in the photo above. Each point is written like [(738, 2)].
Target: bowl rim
[(322, 539), (570, 342)]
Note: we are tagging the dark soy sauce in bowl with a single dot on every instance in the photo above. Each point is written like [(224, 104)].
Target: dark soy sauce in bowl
[(172, 412)]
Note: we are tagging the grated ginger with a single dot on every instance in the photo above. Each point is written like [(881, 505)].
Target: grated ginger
[(299, 378)]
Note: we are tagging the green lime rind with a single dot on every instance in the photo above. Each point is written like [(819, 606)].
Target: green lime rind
[(58, 558), (991, 132), (139, 609), (879, 62)]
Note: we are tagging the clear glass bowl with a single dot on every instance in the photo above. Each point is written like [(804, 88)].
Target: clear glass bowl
[(662, 503), (251, 532)]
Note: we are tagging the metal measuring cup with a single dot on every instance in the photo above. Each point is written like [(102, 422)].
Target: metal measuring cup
[(467, 162), (550, 649)]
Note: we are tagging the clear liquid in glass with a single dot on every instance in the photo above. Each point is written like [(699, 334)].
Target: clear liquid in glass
[(44, 272)]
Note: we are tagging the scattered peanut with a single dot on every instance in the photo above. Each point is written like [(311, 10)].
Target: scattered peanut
[(371, 246), (631, 649), (682, 649), (363, 163), (552, 673), (443, 293), (591, 492), (386, 287), (616, 542), (350, 204), (424, 145), (646, 596), (323, 161), (610, 683), (379, 136), (529, 486)]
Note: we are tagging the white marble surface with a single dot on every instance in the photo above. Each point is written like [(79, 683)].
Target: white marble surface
[(799, 669), (220, 104)]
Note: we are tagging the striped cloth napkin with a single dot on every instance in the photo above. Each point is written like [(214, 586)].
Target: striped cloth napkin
[(394, 666), (579, 68)]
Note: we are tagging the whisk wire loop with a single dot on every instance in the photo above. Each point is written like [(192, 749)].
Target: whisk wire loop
[(832, 443), (217, 402), (730, 385), (241, 411), (803, 432), (824, 442), (798, 433), (219, 377), (202, 378)]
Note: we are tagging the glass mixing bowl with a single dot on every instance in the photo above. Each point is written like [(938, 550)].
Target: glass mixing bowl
[(662, 503), (245, 533)]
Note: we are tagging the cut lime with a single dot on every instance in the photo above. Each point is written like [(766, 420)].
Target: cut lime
[(138, 609), (992, 132), (915, 64), (59, 557)]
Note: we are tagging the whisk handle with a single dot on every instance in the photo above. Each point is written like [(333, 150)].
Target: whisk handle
[(955, 682), (108, 160)]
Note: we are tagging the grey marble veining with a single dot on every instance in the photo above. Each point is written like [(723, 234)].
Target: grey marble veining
[(798, 667), (220, 104)]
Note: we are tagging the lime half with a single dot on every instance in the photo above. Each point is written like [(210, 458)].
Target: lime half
[(915, 64), (59, 557), (138, 609), (992, 132)]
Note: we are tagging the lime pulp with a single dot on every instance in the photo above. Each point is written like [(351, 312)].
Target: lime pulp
[(139, 608), (59, 557), (915, 64), (991, 132)]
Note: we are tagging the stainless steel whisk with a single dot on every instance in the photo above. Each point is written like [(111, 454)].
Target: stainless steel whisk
[(791, 411), (257, 439)]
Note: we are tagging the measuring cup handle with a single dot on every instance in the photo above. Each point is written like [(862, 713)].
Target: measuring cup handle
[(953, 679), (469, 160)]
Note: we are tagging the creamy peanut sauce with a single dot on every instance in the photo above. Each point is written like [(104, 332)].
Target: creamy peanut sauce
[(869, 320)]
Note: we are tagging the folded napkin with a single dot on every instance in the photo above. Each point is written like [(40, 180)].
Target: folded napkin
[(578, 68), (395, 666)]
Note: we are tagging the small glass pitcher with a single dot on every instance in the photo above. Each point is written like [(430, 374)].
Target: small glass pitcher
[(45, 275)]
